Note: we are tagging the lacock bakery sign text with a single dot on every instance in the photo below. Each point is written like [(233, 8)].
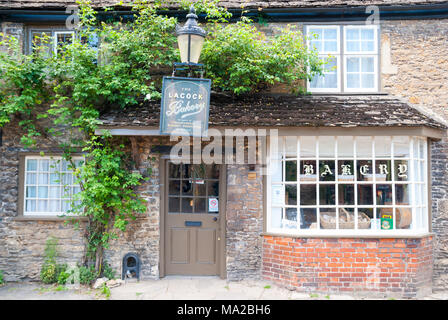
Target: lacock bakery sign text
[(185, 106)]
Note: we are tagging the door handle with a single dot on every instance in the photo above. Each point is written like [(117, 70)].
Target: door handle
[(215, 219)]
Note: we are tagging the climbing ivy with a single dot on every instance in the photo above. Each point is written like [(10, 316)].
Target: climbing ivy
[(72, 88)]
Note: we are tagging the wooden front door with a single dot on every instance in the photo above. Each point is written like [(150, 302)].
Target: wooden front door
[(192, 219)]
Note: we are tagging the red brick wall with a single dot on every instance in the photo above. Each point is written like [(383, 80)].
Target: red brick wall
[(399, 267)]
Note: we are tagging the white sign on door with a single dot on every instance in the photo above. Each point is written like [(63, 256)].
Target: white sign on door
[(213, 205)]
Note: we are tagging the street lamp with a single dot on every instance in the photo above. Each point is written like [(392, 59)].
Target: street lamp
[(190, 39)]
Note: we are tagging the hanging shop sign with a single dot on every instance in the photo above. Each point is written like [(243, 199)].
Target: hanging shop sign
[(185, 106)]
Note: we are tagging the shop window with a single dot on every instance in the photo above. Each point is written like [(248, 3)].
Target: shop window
[(351, 54), (345, 184), (49, 186)]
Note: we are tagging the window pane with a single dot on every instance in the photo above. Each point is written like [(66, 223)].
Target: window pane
[(326, 170), (31, 192), (187, 188), (276, 217), (352, 34), (199, 205), (353, 81), (345, 146), (328, 218), (327, 194), (329, 79), (364, 169), (290, 221), (42, 205), (383, 170), (213, 188), (365, 194), (367, 46), (291, 194), (308, 218), (346, 218), (31, 165), (326, 147), (30, 205), (276, 171), (54, 205), (353, 46), (330, 46), (55, 192), (44, 165), (43, 178), (330, 34), (308, 170), (363, 147), (401, 147), (42, 192), (187, 205), (291, 171), (384, 194), (401, 170), (365, 219), (402, 194), (346, 194), (386, 218), (199, 189), (66, 179), (403, 218), (174, 187), (55, 178), (173, 204), (174, 171), (291, 147), (31, 178), (353, 64), (308, 194), (382, 147), (346, 170), (367, 34), (367, 81), (307, 147)]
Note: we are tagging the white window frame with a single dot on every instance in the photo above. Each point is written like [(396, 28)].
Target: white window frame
[(420, 211), (36, 185), (341, 55), (375, 73), (55, 39), (324, 55)]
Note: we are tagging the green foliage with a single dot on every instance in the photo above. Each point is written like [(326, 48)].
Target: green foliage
[(2, 279), (87, 275), (72, 87), (108, 272), (107, 194), (50, 270), (240, 59), (23, 87), (105, 291)]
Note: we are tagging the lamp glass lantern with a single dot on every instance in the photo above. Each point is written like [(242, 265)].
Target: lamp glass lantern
[(190, 39)]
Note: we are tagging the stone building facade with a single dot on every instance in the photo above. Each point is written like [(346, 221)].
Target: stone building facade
[(413, 68)]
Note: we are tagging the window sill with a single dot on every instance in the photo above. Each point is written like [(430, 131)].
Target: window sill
[(48, 218), (352, 235)]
